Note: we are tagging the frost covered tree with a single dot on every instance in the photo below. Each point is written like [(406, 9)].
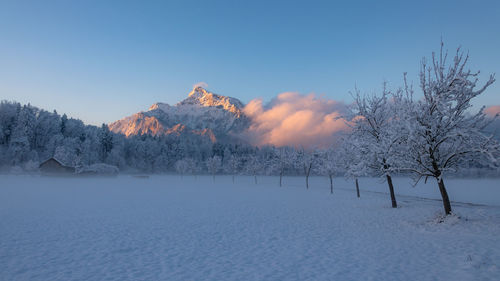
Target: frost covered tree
[(64, 121), (66, 155), (22, 136), (192, 166), (376, 132), (444, 130), (213, 165), (106, 141), (329, 164), (252, 166), (284, 158), (232, 165), (307, 159), (350, 158), (181, 167)]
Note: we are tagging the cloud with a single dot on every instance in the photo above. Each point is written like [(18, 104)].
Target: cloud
[(295, 120), (200, 84), (494, 126), (492, 110)]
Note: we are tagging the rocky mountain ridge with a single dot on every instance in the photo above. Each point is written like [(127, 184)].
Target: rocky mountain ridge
[(202, 113)]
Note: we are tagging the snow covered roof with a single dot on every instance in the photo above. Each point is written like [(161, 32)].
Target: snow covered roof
[(57, 160)]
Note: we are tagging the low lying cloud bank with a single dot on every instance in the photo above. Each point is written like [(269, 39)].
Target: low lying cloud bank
[(493, 127), (492, 110), (296, 120), (309, 121)]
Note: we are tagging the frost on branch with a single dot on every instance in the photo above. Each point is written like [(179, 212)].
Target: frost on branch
[(442, 127)]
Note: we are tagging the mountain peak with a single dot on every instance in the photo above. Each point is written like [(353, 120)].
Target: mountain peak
[(198, 91), (202, 113), (202, 97)]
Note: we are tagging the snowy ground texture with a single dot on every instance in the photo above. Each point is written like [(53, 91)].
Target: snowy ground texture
[(165, 228)]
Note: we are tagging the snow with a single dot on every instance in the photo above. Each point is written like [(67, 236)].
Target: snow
[(484, 191), (200, 110), (173, 228), (98, 168)]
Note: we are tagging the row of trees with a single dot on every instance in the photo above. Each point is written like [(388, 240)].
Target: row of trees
[(427, 137), (391, 133)]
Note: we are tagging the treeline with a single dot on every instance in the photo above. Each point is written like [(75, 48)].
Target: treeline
[(29, 135)]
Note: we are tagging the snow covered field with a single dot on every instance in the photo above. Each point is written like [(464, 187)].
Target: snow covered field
[(165, 228)]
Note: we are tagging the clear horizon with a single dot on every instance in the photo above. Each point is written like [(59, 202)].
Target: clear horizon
[(100, 62)]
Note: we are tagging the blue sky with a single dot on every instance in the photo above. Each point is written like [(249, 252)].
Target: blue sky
[(102, 60)]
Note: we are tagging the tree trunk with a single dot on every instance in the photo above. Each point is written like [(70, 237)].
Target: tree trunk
[(281, 176), (233, 179), (331, 184), (307, 172), (255, 178), (391, 191), (444, 195), (357, 188)]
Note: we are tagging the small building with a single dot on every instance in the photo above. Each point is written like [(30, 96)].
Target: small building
[(52, 166)]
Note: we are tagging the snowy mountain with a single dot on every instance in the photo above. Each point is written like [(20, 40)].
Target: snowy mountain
[(202, 113)]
